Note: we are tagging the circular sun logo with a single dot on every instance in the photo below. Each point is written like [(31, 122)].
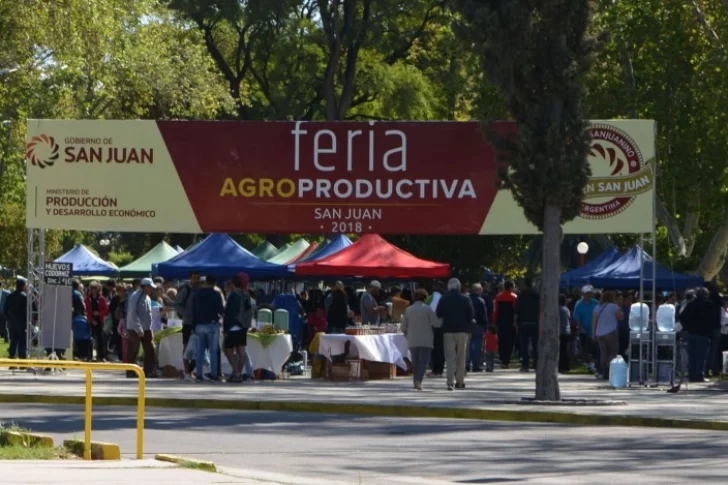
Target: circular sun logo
[(42, 151), (614, 158)]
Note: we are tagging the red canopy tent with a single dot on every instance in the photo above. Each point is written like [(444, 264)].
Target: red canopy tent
[(372, 256)]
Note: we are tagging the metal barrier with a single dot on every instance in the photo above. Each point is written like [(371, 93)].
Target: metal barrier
[(89, 367)]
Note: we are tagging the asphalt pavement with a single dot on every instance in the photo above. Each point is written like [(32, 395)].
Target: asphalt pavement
[(363, 450)]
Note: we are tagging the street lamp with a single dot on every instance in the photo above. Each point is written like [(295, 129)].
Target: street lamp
[(582, 248)]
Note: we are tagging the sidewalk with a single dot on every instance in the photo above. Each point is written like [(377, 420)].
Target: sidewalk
[(133, 472), (488, 396)]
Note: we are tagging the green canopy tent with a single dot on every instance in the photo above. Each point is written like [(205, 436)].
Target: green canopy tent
[(143, 266), (265, 251), (290, 253)]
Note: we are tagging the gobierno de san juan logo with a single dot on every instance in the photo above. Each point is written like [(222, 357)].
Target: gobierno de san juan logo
[(619, 173), (42, 151)]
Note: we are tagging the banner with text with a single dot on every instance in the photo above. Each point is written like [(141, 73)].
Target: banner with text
[(313, 177)]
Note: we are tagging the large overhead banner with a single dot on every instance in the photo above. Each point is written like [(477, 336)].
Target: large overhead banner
[(312, 177)]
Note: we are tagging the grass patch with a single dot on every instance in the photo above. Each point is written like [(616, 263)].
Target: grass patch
[(4, 346), (195, 465), (24, 448)]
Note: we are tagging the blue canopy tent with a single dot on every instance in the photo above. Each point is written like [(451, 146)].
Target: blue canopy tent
[(581, 276), (222, 256), (325, 250), (86, 263), (625, 273), (179, 249)]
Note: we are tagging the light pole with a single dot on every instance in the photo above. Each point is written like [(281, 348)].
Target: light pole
[(105, 243), (582, 248)]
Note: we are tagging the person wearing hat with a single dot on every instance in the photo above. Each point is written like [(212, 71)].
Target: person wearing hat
[(370, 309), (16, 315), (139, 327), (584, 315)]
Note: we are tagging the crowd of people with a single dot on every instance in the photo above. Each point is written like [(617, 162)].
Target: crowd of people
[(451, 329)]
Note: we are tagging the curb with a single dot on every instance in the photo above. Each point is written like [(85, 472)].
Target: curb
[(27, 439), (207, 466), (523, 416), (99, 450)]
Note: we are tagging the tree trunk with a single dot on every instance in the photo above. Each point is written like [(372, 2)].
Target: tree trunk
[(714, 257), (547, 380)]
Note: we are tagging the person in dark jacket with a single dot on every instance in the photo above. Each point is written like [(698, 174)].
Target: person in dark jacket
[(16, 315), (528, 313), (337, 313), (475, 356), (458, 318), (714, 362), (504, 317), (239, 307), (208, 308), (699, 320)]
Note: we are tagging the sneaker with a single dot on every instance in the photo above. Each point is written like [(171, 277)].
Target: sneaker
[(187, 378), (450, 388), (460, 386), (418, 387), (488, 370)]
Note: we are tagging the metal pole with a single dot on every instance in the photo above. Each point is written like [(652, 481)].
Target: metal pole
[(641, 300), (87, 416), (140, 412), (653, 332)]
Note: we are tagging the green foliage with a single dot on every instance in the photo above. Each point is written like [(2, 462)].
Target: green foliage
[(121, 258), (537, 56)]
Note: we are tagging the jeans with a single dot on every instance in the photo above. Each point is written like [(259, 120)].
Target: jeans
[(438, 352), (420, 359), (564, 360), (18, 342), (698, 346), (208, 338), (714, 363), (608, 350), (475, 355), (489, 361), (456, 346), (528, 333), (506, 339)]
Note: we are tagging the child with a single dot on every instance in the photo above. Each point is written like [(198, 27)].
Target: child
[(491, 347)]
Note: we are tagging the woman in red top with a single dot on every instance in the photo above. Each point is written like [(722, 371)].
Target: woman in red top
[(97, 308)]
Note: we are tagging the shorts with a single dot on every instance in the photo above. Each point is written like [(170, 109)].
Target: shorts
[(238, 338), (187, 331)]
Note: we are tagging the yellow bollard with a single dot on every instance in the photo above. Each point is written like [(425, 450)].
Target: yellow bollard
[(87, 416), (88, 367)]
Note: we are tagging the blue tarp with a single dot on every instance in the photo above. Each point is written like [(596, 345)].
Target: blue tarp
[(220, 255), (625, 273), (86, 263), (332, 247), (580, 276)]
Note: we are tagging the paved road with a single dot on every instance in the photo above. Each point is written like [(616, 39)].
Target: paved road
[(498, 391), (360, 450)]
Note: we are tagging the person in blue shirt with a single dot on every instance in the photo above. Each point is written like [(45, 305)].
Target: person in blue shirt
[(584, 315)]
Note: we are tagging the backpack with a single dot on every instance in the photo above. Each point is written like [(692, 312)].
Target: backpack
[(245, 313)]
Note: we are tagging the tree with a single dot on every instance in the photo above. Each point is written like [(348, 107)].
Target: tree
[(537, 54), (668, 61)]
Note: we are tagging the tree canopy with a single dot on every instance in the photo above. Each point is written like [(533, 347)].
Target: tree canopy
[(363, 60)]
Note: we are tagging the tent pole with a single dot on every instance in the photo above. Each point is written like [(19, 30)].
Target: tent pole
[(642, 300), (653, 332)]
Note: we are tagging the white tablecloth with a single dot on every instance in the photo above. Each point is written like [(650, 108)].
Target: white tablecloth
[(271, 358), (388, 348)]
